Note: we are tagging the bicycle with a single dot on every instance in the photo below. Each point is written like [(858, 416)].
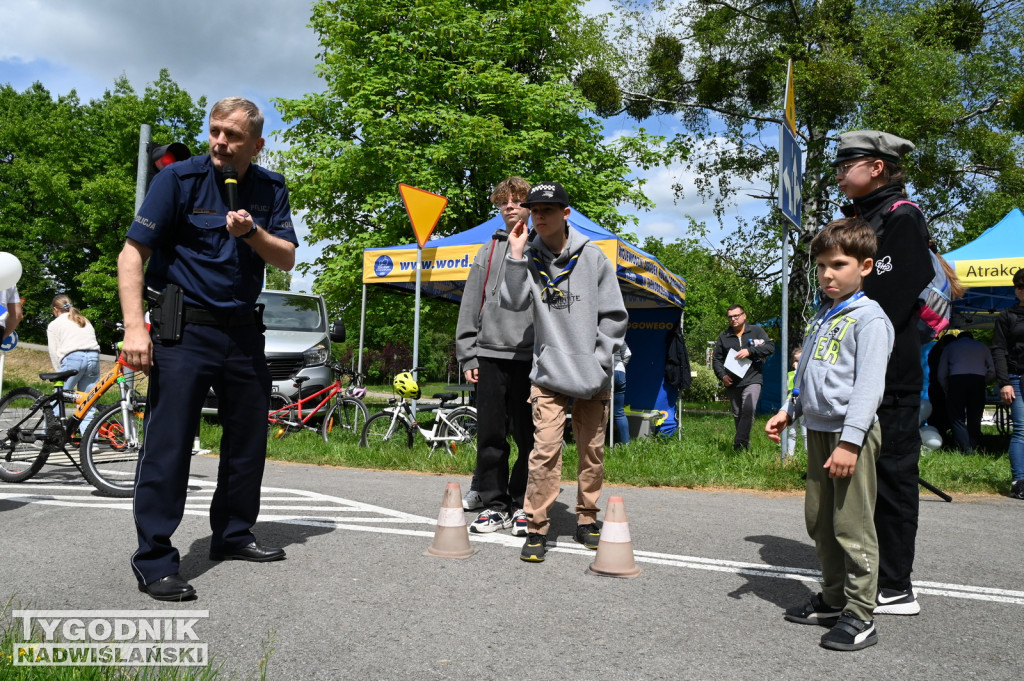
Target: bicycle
[(454, 428), (343, 420), (33, 425)]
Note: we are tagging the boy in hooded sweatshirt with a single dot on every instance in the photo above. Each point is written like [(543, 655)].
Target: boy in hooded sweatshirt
[(837, 389), (579, 321)]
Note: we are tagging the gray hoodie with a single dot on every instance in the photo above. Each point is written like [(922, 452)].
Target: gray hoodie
[(485, 329), (841, 376), (577, 332)]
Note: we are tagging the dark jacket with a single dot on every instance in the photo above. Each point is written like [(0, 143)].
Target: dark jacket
[(763, 347), (1008, 344), (903, 267)]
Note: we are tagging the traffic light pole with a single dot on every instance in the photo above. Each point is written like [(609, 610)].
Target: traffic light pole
[(142, 175)]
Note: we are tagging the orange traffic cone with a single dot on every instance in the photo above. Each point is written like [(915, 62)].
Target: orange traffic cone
[(451, 539), (615, 548)]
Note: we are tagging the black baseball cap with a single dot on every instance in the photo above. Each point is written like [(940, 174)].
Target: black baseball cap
[(546, 192)]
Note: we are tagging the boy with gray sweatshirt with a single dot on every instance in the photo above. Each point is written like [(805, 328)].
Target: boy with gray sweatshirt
[(579, 320), (837, 389)]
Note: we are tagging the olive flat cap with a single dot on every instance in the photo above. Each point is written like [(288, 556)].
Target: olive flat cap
[(861, 143)]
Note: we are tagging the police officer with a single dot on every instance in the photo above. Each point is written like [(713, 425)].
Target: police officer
[(214, 255)]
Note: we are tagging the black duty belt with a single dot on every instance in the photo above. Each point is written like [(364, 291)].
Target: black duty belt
[(204, 317)]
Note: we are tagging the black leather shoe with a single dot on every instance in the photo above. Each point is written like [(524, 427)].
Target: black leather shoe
[(253, 552), (169, 588)]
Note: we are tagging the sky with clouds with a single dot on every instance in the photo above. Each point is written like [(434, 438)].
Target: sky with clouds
[(259, 49)]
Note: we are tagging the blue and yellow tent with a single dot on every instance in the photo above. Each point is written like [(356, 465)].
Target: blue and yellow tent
[(985, 267), (645, 282), (654, 296)]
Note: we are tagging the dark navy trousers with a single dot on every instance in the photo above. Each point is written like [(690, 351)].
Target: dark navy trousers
[(233, 363)]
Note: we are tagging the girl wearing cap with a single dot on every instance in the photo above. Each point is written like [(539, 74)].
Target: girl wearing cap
[(868, 172), (72, 344)]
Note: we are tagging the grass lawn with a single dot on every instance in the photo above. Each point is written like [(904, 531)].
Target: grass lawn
[(702, 458)]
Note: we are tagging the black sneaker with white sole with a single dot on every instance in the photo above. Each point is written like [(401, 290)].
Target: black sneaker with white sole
[(815, 611), (1017, 489), (896, 602), (850, 633)]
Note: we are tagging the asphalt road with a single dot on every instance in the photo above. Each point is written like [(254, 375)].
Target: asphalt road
[(357, 599)]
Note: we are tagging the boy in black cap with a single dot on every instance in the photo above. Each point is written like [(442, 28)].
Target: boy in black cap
[(868, 172), (579, 320)]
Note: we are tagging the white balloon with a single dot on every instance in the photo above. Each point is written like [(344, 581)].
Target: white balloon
[(930, 437), (10, 270), (926, 411)]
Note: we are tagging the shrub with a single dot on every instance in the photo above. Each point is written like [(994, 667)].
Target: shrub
[(705, 386)]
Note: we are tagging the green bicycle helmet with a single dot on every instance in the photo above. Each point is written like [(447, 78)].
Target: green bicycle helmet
[(406, 386)]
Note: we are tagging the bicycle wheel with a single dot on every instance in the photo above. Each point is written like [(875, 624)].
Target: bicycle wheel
[(464, 421), (110, 450), (380, 432), (23, 434), (344, 421)]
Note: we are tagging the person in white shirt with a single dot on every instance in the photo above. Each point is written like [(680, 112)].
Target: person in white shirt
[(72, 344)]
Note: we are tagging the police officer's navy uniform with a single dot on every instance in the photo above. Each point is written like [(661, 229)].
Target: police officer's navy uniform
[(183, 221)]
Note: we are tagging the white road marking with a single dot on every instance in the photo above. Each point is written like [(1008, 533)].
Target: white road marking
[(348, 514)]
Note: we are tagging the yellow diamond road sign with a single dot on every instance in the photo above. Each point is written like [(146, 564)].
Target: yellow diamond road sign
[(424, 208)]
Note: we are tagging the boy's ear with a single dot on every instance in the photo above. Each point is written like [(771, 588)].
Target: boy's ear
[(866, 266)]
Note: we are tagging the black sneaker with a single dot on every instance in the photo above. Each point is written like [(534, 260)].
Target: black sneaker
[(534, 549), (815, 611), (896, 602), (850, 633), (589, 535), (1017, 489)]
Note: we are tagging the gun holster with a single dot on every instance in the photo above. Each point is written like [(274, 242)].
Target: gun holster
[(167, 312)]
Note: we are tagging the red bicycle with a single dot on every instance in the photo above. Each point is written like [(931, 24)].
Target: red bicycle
[(340, 406)]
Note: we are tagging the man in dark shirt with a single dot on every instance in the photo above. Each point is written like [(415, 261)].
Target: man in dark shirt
[(213, 244), (750, 342)]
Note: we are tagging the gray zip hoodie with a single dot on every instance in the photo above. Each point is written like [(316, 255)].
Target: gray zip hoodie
[(485, 329), (576, 332), (841, 376)]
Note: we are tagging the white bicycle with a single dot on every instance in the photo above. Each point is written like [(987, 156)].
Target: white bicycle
[(454, 428)]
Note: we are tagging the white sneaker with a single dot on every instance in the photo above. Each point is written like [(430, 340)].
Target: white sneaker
[(471, 501), (519, 523), (490, 521)]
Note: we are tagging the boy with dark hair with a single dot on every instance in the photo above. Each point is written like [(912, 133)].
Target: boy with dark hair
[(837, 390), (579, 320), (495, 347)]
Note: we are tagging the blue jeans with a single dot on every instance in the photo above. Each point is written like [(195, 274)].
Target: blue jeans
[(88, 365), (619, 405), (1017, 438)]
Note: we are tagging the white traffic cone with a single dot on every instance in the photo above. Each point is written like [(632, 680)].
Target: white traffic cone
[(615, 548), (451, 539)]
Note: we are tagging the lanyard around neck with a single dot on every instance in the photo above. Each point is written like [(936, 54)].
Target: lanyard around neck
[(805, 355)]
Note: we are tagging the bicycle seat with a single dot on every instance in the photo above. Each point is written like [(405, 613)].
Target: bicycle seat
[(58, 375), (299, 380), (446, 397)]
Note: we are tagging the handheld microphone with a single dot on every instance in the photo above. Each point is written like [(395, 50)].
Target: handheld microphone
[(231, 185)]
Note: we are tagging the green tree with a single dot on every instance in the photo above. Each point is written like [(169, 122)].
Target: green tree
[(278, 280), (946, 74), (717, 284), (452, 97), (67, 186)]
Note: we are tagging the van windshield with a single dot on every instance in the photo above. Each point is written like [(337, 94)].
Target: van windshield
[(290, 312)]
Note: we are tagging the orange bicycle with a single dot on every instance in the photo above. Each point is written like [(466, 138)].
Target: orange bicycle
[(34, 424)]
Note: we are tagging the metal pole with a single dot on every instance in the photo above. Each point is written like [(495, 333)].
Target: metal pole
[(142, 173), (785, 331), (362, 330), (416, 321)]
